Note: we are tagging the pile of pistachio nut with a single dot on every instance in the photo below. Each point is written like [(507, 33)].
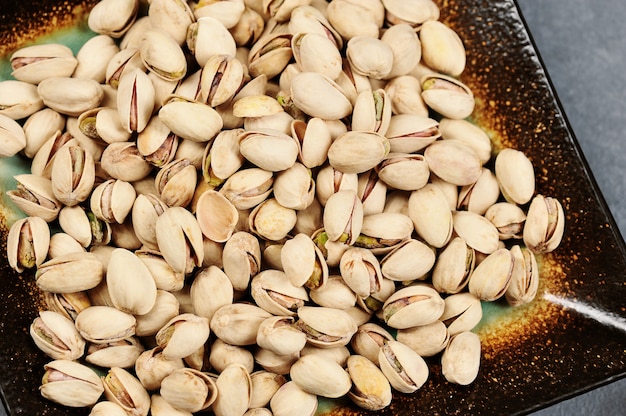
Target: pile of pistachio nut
[(252, 197)]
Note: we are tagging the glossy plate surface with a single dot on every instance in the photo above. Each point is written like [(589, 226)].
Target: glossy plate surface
[(570, 339)]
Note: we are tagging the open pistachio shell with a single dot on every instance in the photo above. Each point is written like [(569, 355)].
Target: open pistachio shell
[(35, 63), (121, 387), (273, 291), (28, 243), (104, 324), (326, 327), (19, 99), (70, 273), (413, 306), (56, 336), (405, 370), (71, 384), (371, 389), (183, 335), (189, 390)]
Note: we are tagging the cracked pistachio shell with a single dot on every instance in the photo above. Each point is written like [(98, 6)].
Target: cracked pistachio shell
[(176, 182), (308, 19), (370, 57), (39, 127), (107, 124), (373, 193), (321, 377), (72, 175), (508, 218), (477, 231), (42, 161), (12, 137), (222, 77), (70, 96), (123, 353), (369, 339), (70, 273), (270, 55), (303, 262), (330, 180), (442, 48), (19, 99), (152, 367), (404, 171), (447, 96), (492, 276), (113, 17), (343, 216), (208, 37), (35, 63), (162, 55), (294, 187), (405, 47), (460, 361), (172, 16), (124, 389), (409, 261), (525, 279), (315, 140), (264, 386), (27, 243), (273, 292), (358, 151), (428, 209), (67, 304), (316, 53), (241, 259), (413, 12), (269, 149), (291, 400), (56, 336), (94, 57), (372, 112), (135, 100), (234, 390), (271, 221), (403, 367), (217, 216), (71, 384), (326, 327), (247, 188), (83, 226), (146, 209), (462, 313), (123, 62), (189, 390), (131, 286), (238, 323), (425, 340), (104, 324), (319, 96), (413, 306), (248, 28), (210, 290), (468, 133), (179, 239), (112, 201), (374, 302), (454, 266), (480, 195), (279, 334), (222, 159), (356, 18), (107, 408), (156, 143), (453, 161), (183, 335), (371, 389), (360, 269), (515, 175), (405, 94), (190, 120), (335, 293), (409, 133), (166, 307)]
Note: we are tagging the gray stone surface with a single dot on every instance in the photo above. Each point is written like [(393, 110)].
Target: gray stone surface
[(582, 46)]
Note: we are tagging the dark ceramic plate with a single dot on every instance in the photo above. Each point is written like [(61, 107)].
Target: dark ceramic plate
[(572, 338)]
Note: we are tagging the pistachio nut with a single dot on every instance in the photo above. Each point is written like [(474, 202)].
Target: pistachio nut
[(264, 386), (343, 217), (330, 180), (360, 270), (94, 57), (357, 152), (442, 48), (461, 358), (413, 12), (56, 336), (38, 128), (131, 286), (405, 95), (27, 243), (508, 218), (210, 290), (238, 323), (171, 16), (525, 279), (370, 57), (234, 390), (308, 19), (492, 277), (425, 340), (372, 112), (122, 353), (166, 307), (67, 304), (545, 224), (135, 100), (413, 306), (453, 162), (271, 220), (273, 292), (431, 216), (303, 262), (113, 17), (176, 182), (477, 231), (70, 96), (191, 120), (182, 335), (70, 273), (335, 293), (41, 164), (179, 239), (410, 260), (370, 388), (326, 327), (337, 354), (316, 53), (241, 259), (372, 191), (453, 267), (84, 226), (247, 188), (269, 149), (207, 37), (72, 175), (291, 400), (369, 339), (314, 138), (222, 158), (35, 63), (249, 27), (222, 355), (294, 187), (319, 96), (152, 367), (19, 99), (107, 408), (280, 335), (405, 46), (409, 133), (112, 201), (122, 63), (71, 384), (515, 175), (447, 96), (270, 54), (122, 388), (404, 171), (227, 12), (189, 390), (405, 370), (321, 377), (146, 209), (468, 133), (222, 76), (462, 313), (480, 195), (104, 324)]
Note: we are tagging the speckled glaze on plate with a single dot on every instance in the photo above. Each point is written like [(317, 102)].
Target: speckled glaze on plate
[(572, 338)]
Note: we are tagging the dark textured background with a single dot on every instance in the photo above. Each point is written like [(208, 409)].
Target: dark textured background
[(581, 43)]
